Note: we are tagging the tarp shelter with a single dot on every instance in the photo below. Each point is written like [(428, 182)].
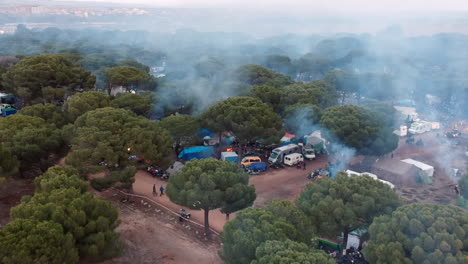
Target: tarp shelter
[(425, 172), (373, 176), (198, 152), (177, 166), (229, 156), (229, 140), (288, 138), (396, 172), (8, 111)]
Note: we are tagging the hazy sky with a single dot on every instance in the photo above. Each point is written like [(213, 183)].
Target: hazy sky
[(340, 6)]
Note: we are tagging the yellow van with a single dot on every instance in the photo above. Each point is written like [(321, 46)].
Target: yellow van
[(246, 161)]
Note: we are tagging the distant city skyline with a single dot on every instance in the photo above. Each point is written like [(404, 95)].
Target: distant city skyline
[(339, 6)]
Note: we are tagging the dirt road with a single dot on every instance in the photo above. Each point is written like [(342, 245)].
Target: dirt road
[(151, 239), (144, 186)]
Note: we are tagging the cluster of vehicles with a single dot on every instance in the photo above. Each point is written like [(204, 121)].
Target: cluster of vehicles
[(287, 155)]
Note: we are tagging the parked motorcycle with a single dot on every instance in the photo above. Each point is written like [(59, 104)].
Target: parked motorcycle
[(253, 172), (155, 171), (184, 214), (316, 174)]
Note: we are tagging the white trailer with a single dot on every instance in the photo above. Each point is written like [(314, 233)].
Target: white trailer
[(420, 127), (293, 159)]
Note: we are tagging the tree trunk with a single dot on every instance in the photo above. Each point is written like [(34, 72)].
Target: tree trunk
[(207, 224), (345, 240), (240, 153)]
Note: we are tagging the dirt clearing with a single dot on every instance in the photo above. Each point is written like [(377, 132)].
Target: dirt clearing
[(154, 237)]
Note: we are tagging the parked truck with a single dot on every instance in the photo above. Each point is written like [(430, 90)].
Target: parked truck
[(277, 155)]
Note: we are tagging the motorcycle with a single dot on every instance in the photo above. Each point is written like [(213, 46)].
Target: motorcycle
[(154, 171), (253, 172), (315, 175), (184, 214)]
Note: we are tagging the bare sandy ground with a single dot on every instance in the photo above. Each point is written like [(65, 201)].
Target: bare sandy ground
[(152, 238)]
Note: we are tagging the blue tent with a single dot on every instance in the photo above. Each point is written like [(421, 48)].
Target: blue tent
[(229, 140), (199, 152), (205, 132)]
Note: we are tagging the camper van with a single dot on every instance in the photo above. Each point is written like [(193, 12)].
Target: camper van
[(277, 155), (293, 159)]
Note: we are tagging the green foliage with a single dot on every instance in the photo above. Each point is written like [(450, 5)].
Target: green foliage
[(28, 77), (106, 135), (318, 93), (51, 94), (420, 233), (299, 118), (210, 184), (344, 82), (29, 241), (258, 75), (313, 63), (81, 103), (135, 64), (267, 94), (125, 178), (127, 76), (138, 104), (288, 212), (29, 138), (249, 229), (180, 126), (359, 128), (281, 252), (9, 164), (90, 220), (52, 114), (386, 111), (209, 67), (345, 203), (463, 184), (248, 118), (60, 177)]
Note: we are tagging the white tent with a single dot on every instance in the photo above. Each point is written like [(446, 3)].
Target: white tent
[(373, 176), (425, 171)]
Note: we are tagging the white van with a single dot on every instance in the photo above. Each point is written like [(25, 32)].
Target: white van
[(293, 159)]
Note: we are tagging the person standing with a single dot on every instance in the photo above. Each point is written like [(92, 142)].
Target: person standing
[(161, 189), (154, 189), (304, 165)]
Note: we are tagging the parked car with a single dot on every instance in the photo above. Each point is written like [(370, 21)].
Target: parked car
[(258, 166), (246, 161)]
